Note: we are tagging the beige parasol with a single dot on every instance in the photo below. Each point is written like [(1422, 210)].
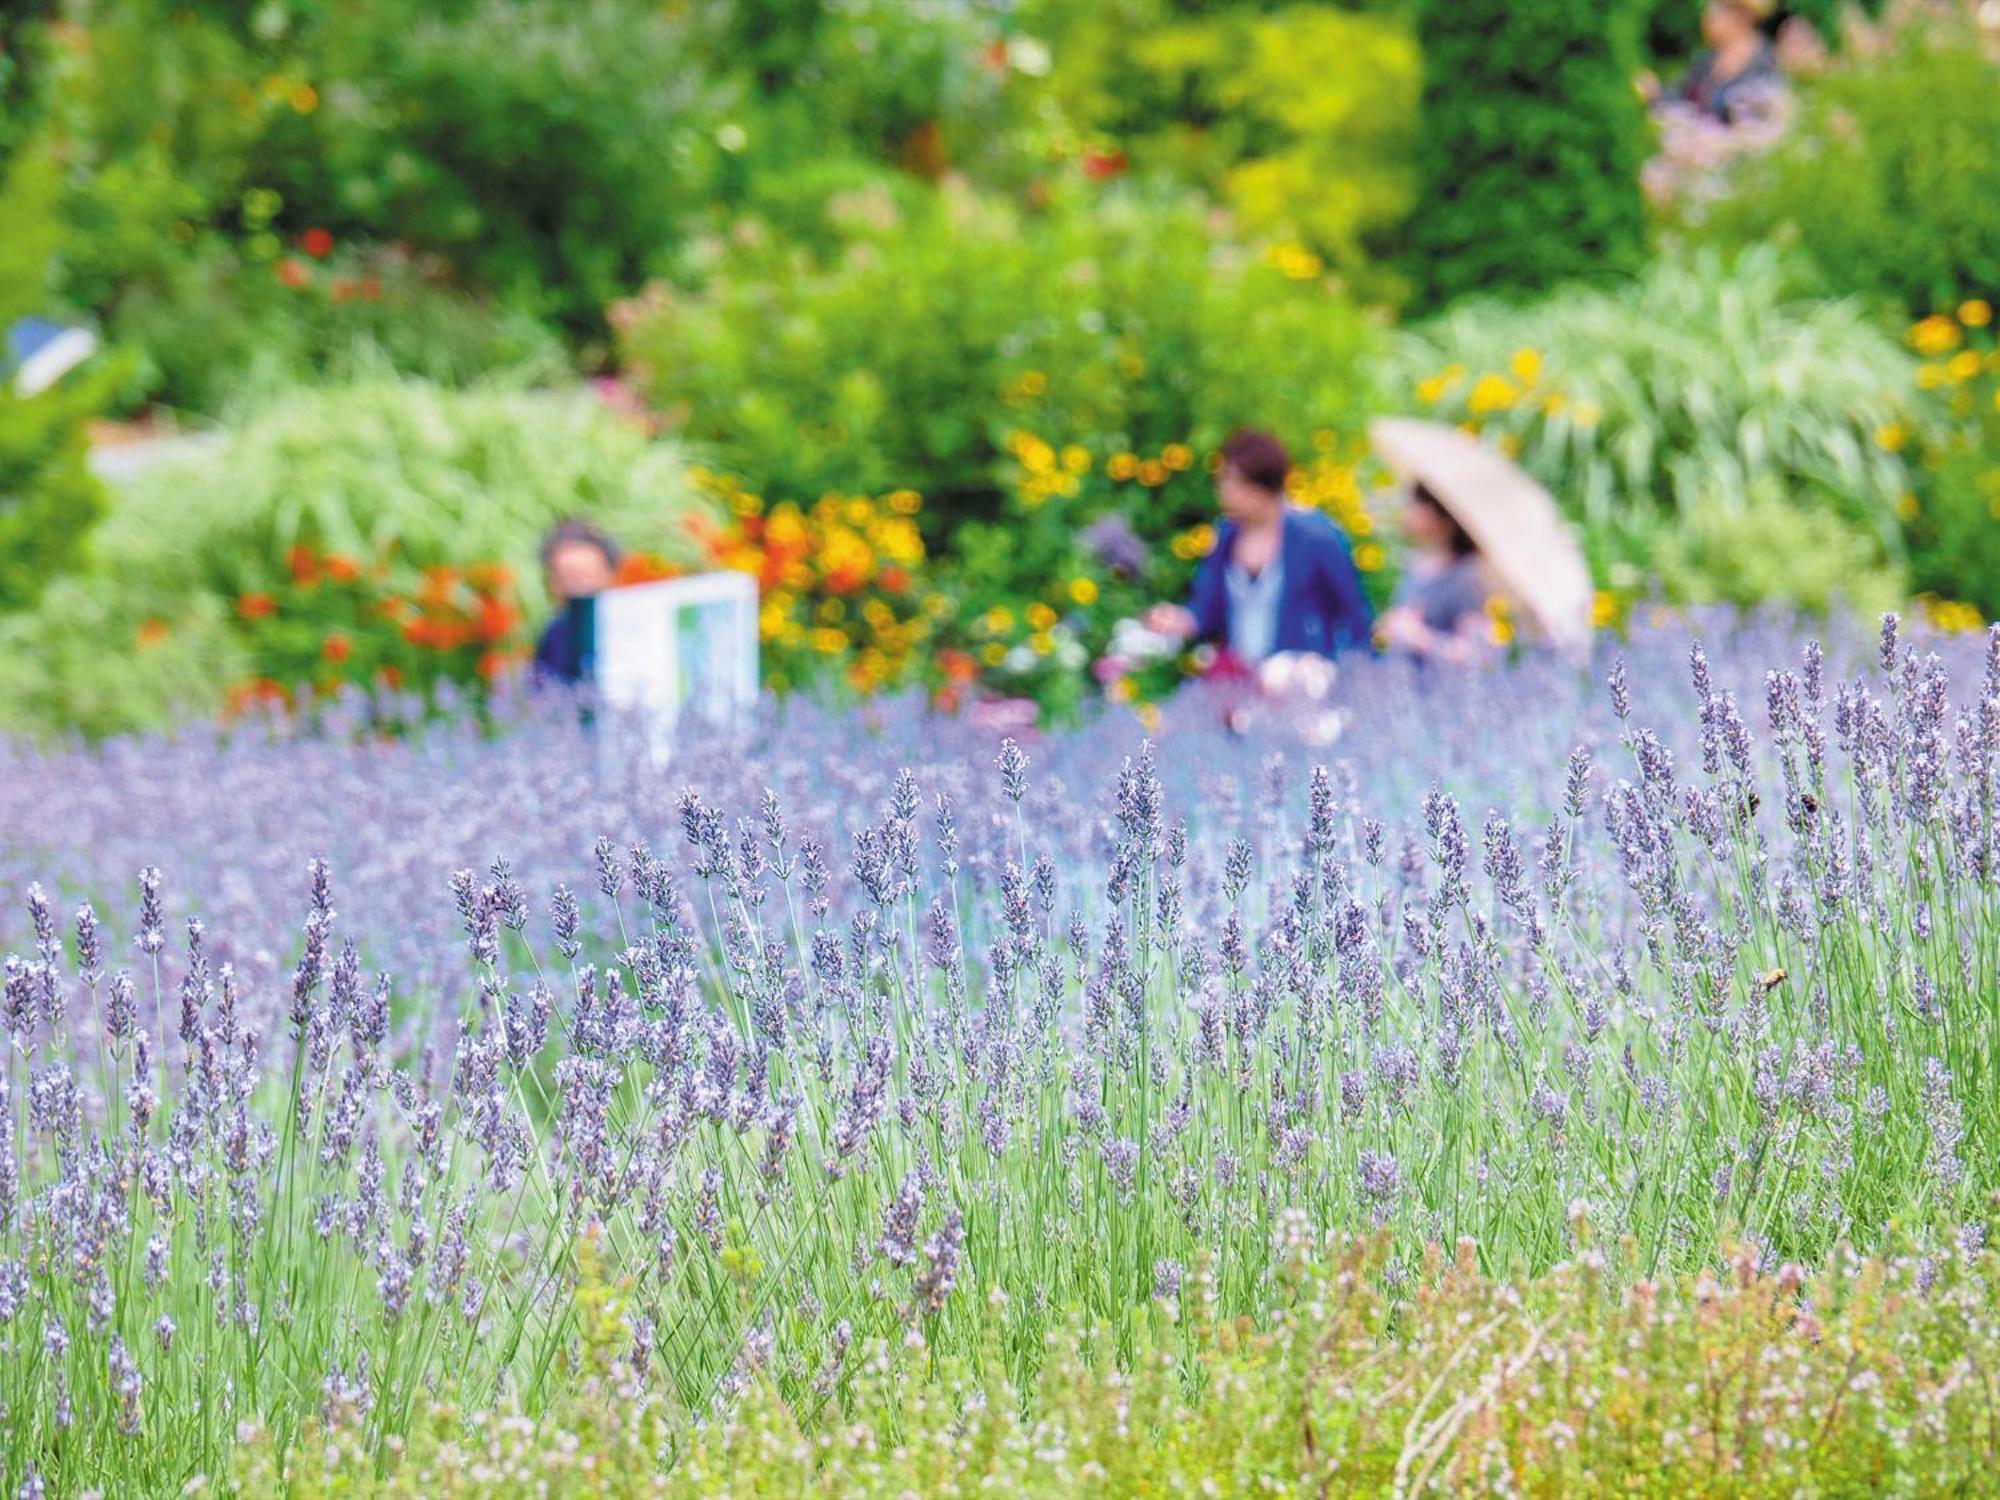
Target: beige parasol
[(1530, 551)]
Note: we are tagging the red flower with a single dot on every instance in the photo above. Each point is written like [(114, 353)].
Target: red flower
[(336, 648), (293, 272), (317, 243), (1100, 165), (496, 618), (302, 564), (893, 578), (256, 606)]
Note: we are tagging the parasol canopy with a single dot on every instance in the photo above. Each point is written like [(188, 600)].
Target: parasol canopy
[(1530, 551)]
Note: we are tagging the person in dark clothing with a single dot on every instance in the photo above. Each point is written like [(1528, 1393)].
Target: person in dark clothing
[(1439, 612), (578, 562), (1279, 578), (1736, 78)]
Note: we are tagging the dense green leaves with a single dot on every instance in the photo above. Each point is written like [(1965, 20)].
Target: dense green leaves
[(1532, 139)]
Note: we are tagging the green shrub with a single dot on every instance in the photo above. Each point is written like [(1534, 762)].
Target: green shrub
[(48, 498), (1889, 179), (908, 361), (1531, 145), (1704, 386), (550, 148), (1952, 521), (388, 472), (1301, 118)]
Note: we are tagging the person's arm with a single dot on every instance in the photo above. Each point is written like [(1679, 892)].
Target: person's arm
[(1205, 616)]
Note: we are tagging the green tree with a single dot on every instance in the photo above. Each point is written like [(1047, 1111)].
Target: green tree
[(48, 498), (1533, 137)]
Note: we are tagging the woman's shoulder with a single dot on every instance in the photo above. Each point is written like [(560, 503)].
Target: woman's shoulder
[(1317, 530)]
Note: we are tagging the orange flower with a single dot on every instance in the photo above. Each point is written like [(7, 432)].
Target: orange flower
[(341, 569), (390, 678), (151, 633), (491, 664), (302, 564), (317, 243), (956, 665), (490, 576), (893, 579), (336, 648), (292, 272), (496, 618), (256, 606), (643, 567)]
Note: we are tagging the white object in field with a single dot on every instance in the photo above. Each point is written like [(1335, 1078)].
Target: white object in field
[(42, 353), (678, 656)]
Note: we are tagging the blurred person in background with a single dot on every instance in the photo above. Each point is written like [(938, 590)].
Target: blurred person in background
[(579, 561), (1736, 79), (1439, 612), (1279, 578)]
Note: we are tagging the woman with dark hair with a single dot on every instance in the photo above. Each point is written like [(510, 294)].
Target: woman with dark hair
[(1439, 611), (579, 561), (1279, 578)]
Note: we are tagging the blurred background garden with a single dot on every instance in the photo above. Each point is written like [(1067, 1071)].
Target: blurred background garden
[(932, 314)]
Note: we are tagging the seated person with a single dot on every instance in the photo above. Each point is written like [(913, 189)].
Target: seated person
[(578, 562), (1439, 612), (1279, 578), (1735, 80)]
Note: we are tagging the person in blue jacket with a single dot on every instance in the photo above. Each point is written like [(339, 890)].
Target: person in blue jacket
[(1279, 577)]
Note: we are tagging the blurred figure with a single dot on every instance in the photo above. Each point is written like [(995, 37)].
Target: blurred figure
[(579, 561), (1278, 578), (1736, 79), (1439, 612)]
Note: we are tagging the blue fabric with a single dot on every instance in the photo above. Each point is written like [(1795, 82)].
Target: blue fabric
[(1253, 608), (1321, 607)]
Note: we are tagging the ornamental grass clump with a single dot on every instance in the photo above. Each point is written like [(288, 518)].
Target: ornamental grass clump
[(859, 1070)]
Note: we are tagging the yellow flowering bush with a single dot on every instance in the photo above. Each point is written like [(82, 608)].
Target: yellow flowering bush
[(841, 594), (1951, 512), (1678, 405)]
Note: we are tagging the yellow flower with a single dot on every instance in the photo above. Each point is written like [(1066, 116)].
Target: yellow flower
[(1149, 717), (1122, 466), (1040, 616), (859, 511), (1526, 365), (1177, 456), (1083, 590), (1975, 314), (1963, 365), (1930, 377), (1296, 261), (1369, 557), (1152, 473), (1935, 335), (1075, 459), (826, 640), (992, 653), (1037, 457), (1042, 643), (1034, 383), (1603, 609), (305, 99), (1491, 393), (1120, 690), (1431, 388), (1131, 366), (1199, 541), (998, 620), (1891, 436), (903, 502), (1906, 506)]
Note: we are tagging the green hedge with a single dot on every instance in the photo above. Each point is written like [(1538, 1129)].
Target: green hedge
[(1532, 137)]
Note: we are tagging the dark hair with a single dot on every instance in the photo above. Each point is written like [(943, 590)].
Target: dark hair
[(1458, 538), (574, 533), (1259, 457)]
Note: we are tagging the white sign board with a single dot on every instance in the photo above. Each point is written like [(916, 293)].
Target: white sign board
[(678, 651)]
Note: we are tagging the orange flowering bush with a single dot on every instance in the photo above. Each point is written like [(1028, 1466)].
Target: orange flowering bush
[(332, 621), (841, 583)]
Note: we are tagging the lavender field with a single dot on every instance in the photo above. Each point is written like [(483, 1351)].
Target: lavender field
[(838, 1070)]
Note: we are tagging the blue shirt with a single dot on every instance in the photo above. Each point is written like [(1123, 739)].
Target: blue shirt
[(1319, 603)]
